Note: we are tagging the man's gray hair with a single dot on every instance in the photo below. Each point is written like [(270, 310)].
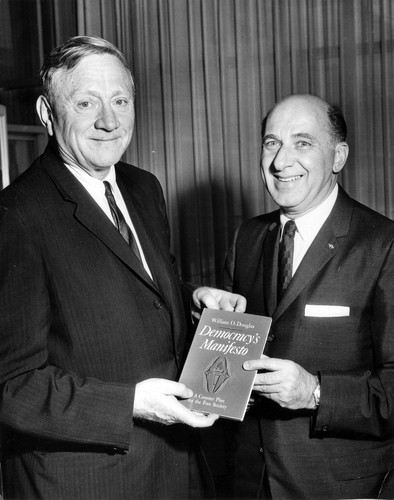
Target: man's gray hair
[(68, 55)]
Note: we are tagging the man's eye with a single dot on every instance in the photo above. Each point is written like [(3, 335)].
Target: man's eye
[(271, 145), (84, 104), (303, 144), (122, 102)]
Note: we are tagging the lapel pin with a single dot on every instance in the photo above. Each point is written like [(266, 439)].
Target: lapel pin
[(331, 246)]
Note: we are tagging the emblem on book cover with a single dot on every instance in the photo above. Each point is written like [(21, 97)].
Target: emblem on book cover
[(217, 374)]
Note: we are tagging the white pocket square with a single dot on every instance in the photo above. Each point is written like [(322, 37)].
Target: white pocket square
[(326, 311)]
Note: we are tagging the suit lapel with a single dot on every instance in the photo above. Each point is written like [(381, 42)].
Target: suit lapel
[(89, 214), (322, 250), (143, 223), (110, 236)]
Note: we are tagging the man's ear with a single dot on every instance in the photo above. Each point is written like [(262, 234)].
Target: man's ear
[(45, 114), (341, 154)]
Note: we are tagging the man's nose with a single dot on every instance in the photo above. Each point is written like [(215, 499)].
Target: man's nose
[(283, 158), (107, 118)]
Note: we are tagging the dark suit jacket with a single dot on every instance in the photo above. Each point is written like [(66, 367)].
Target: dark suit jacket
[(81, 323), (345, 448)]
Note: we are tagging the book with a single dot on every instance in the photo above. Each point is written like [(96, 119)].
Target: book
[(213, 369)]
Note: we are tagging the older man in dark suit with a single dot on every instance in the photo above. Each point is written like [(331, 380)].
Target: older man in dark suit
[(322, 423), (92, 324)]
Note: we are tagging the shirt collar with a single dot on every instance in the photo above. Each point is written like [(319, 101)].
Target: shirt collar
[(88, 180), (309, 225)]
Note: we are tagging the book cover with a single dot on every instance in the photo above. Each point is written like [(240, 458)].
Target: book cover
[(213, 369)]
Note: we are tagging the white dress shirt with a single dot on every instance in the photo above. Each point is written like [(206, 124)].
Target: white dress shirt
[(309, 225), (95, 187)]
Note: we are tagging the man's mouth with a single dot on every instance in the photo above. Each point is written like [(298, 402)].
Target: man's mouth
[(107, 139), (289, 179)]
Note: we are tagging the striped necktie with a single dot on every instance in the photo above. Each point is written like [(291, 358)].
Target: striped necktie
[(119, 220)]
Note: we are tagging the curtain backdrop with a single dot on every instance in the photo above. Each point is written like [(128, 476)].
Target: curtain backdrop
[(208, 71)]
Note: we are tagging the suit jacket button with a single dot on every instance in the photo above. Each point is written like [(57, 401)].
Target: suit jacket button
[(324, 428), (158, 304), (270, 337)]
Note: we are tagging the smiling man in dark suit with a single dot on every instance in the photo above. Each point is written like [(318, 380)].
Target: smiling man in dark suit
[(322, 423), (92, 323)]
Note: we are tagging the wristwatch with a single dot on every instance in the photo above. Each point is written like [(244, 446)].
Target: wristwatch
[(316, 392)]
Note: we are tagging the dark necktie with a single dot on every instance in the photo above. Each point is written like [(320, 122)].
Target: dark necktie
[(120, 222), (286, 252)]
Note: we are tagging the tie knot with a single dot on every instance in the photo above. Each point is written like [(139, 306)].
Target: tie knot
[(108, 190), (289, 228)]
